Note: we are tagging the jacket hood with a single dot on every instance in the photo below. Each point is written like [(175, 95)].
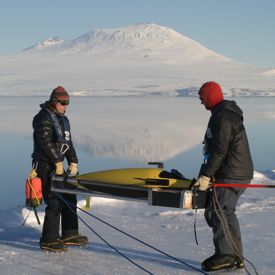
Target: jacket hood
[(44, 105), (229, 105), (47, 105)]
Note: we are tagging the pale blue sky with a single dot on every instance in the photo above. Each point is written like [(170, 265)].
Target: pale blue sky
[(240, 29)]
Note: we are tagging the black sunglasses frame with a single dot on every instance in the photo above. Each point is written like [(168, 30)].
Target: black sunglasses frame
[(63, 102)]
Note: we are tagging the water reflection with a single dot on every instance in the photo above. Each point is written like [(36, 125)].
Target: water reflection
[(180, 132), (15, 164)]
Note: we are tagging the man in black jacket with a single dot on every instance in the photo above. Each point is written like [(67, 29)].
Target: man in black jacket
[(52, 144), (227, 160)]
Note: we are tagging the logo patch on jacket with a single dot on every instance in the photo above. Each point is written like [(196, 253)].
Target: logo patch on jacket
[(67, 135)]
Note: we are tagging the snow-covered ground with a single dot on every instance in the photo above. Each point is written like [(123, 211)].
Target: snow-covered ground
[(167, 229), (111, 130)]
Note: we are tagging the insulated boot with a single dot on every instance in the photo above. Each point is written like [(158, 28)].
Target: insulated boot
[(75, 240), (221, 262), (56, 246)]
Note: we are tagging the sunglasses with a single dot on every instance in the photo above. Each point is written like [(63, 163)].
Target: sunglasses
[(63, 102)]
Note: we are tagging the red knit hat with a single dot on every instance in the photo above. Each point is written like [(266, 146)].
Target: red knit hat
[(211, 94), (59, 93)]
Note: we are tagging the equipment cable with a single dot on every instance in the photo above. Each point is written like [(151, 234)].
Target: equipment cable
[(138, 240), (69, 205)]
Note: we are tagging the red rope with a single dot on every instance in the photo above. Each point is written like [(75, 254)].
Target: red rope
[(241, 185)]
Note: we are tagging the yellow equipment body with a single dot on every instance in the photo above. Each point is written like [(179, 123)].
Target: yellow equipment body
[(140, 177), (155, 185)]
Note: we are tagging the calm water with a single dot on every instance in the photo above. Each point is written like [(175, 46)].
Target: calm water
[(16, 142)]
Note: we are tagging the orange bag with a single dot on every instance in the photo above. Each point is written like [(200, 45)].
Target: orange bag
[(33, 189)]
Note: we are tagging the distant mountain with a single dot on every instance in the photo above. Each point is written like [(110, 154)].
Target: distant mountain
[(46, 44), (141, 59)]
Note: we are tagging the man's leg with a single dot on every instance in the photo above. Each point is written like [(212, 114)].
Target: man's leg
[(50, 239), (220, 216)]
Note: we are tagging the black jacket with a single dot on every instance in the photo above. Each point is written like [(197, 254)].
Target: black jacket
[(47, 143), (226, 144)]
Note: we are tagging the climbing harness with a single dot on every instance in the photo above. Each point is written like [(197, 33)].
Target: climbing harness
[(62, 138)]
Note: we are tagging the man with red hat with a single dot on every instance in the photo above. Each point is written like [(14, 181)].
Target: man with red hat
[(52, 144), (227, 160)]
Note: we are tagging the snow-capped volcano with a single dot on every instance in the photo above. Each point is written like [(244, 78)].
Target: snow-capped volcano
[(149, 38), (140, 36), (134, 37), (141, 59)]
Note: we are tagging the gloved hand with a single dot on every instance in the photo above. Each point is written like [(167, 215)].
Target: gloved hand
[(203, 182), (72, 169), (59, 169)]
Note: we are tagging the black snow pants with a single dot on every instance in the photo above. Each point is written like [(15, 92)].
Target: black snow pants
[(227, 199), (56, 209)]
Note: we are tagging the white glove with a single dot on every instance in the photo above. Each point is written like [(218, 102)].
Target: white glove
[(73, 169), (203, 182), (59, 169)]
